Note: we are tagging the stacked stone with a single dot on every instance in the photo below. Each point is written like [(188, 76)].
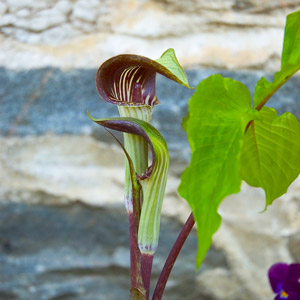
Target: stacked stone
[(77, 33)]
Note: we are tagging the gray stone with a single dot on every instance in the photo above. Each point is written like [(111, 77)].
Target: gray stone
[(22, 34), (7, 20), (15, 5), (3, 8), (42, 20), (67, 252), (63, 6), (59, 34), (228, 286), (31, 97), (86, 11), (23, 13), (293, 244), (82, 26), (35, 19), (68, 167), (220, 34)]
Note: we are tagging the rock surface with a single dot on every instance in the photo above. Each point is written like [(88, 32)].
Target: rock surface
[(67, 252), (222, 34), (53, 246), (51, 100)]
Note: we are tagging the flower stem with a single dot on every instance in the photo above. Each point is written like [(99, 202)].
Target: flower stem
[(137, 149), (135, 255), (165, 273), (147, 260), (133, 205)]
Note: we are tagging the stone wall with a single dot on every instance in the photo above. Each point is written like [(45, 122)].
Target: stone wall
[(62, 220), (227, 34)]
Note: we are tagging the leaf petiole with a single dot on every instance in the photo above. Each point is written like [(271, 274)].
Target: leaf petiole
[(167, 268)]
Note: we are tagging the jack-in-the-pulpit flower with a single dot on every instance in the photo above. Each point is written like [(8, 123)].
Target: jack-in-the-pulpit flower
[(129, 82), (153, 179), (285, 281)]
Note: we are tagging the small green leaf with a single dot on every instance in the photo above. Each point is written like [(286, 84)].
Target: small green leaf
[(153, 180), (290, 62), (291, 44), (271, 153), (170, 62), (218, 113)]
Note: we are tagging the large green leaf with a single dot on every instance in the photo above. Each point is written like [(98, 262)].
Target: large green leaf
[(290, 62), (271, 153), (153, 180), (219, 111)]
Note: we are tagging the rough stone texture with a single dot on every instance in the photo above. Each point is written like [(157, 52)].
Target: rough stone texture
[(67, 33), (293, 244), (52, 100), (43, 165), (67, 252), (41, 230)]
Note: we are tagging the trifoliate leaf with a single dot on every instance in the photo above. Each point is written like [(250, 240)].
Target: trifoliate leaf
[(218, 114), (271, 153)]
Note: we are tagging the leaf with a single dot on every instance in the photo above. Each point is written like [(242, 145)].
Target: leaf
[(129, 79), (153, 179), (170, 62), (271, 153), (218, 113), (290, 62)]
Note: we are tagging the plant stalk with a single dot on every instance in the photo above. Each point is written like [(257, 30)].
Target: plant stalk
[(135, 254), (165, 273), (133, 205), (137, 149), (147, 260)]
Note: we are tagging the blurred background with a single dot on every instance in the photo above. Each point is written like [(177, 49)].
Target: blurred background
[(63, 228)]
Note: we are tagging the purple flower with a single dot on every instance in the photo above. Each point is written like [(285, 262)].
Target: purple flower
[(285, 281), (129, 80)]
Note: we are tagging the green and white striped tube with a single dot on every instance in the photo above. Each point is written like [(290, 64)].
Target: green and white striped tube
[(153, 194), (137, 148), (153, 187)]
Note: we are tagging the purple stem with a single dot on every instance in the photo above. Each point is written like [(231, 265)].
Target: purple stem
[(165, 273), (135, 255), (146, 271)]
